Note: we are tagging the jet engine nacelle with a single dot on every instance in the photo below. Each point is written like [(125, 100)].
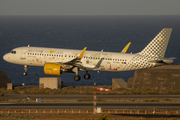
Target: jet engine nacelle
[(52, 69)]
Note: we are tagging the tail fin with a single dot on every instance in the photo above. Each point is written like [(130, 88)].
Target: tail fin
[(157, 47)]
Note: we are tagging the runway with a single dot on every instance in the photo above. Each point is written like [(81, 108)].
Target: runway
[(61, 96), (168, 106), (63, 105)]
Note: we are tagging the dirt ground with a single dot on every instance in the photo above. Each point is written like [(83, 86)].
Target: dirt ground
[(88, 117), (121, 100)]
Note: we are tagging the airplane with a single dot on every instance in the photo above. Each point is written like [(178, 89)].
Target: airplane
[(58, 61)]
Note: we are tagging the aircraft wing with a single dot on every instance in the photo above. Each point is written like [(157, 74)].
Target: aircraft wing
[(76, 61), (126, 47)]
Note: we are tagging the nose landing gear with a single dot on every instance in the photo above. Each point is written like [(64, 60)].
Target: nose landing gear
[(25, 70)]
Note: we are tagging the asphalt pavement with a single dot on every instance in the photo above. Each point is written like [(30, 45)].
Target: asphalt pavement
[(168, 106), (62, 96)]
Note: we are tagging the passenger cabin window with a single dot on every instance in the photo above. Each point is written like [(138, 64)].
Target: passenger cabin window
[(13, 52)]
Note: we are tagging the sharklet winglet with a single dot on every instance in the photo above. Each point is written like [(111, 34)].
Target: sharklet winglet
[(82, 53), (126, 48)]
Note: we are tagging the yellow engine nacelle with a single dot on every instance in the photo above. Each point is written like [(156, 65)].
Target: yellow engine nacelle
[(52, 69)]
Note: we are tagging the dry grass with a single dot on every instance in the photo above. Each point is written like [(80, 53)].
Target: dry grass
[(119, 100), (32, 89)]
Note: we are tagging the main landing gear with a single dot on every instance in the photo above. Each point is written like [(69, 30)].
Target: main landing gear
[(77, 77), (87, 76), (25, 70)]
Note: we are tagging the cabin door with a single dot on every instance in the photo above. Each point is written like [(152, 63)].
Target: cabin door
[(23, 54)]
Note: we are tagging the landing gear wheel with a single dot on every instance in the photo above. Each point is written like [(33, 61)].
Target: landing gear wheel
[(87, 76), (25, 70), (24, 73), (77, 78)]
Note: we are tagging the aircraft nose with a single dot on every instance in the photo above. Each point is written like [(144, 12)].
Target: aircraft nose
[(5, 57)]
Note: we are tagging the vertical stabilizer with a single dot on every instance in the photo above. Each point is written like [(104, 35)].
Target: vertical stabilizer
[(157, 47)]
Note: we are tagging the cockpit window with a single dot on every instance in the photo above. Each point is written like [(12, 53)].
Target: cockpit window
[(13, 52)]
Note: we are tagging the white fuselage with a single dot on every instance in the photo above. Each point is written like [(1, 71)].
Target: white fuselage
[(112, 61)]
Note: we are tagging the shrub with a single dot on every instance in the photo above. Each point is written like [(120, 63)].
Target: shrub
[(20, 100), (151, 100), (167, 99), (33, 98), (3, 99), (2, 93), (85, 100), (104, 117)]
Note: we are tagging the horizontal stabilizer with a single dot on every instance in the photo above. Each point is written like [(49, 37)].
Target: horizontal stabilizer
[(162, 61)]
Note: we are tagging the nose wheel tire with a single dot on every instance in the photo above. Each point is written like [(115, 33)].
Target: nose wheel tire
[(25, 70), (87, 76), (77, 78), (24, 73)]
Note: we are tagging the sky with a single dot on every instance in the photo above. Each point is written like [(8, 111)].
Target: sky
[(89, 7)]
